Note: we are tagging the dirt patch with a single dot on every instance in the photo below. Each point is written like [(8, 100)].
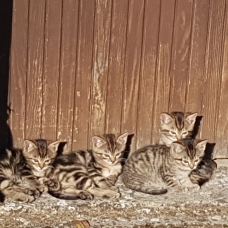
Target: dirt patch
[(206, 208)]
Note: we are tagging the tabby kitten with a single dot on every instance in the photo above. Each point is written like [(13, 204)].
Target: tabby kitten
[(154, 169), (39, 155), (179, 125), (175, 126), (87, 173), (16, 179)]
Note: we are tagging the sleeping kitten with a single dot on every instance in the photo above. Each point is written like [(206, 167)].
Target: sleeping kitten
[(87, 173), (16, 179), (154, 169), (40, 155), (179, 125), (175, 126)]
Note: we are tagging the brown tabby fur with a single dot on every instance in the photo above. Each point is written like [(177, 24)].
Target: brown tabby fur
[(179, 125), (40, 155), (87, 173), (154, 169), (16, 179)]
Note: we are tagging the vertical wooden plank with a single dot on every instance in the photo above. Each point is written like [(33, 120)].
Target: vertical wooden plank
[(51, 68), (67, 71), (214, 57), (180, 54), (18, 70), (148, 72), (197, 70), (83, 74), (100, 67), (35, 69), (132, 67), (219, 70), (162, 82), (116, 66)]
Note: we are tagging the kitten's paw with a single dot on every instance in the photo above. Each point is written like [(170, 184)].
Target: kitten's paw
[(33, 193), (53, 185), (84, 195)]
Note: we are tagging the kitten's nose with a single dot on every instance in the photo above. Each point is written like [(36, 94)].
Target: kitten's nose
[(112, 160), (191, 165), (41, 165)]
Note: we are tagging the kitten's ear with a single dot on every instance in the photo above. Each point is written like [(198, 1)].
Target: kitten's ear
[(98, 141), (165, 118), (176, 148), (54, 146), (28, 146), (122, 139), (201, 145), (191, 118)]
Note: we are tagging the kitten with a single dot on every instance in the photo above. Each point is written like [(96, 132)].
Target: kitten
[(39, 155), (175, 126), (154, 169), (179, 125), (87, 173), (16, 179)]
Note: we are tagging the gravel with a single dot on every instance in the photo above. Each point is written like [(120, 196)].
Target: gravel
[(205, 208)]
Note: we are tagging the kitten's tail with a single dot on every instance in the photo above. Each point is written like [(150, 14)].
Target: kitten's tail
[(148, 190), (81, 195)]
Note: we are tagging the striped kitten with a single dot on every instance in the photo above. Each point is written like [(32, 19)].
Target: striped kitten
[(179, 125), (16, 179), (175, 126), (40, 155), (154, 169), (87, 173)]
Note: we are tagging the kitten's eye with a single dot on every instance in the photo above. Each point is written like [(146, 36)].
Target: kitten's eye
[(35, 160), (185, 161), (184, 133), (106, 155), (47, 161), (173, 132), (196, 160), (118, 155)]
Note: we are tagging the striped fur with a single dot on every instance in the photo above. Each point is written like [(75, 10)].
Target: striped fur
[(16, 179), (175, 126), (87, 173), (40, 155), (179, 125), (154, 169)]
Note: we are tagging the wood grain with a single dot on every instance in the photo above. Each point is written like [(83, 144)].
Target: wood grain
[(34, 89), (214, 58), (163, 65), (132, 67), (197, 70), (180, 54), (19, 48), (67, 71), (100, 67), (148, 74), (51, 69), (83, 74), (116, 66)]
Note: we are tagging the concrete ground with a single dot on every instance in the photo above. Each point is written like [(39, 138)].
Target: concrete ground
[(206, 208)]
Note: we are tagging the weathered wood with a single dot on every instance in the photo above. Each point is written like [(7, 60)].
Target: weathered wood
[(67, 71), (222, 111), (51, 69), (34, 86), (100, 67), (132, 67), (162, 82), (197, 71), (17, 93), (214, 57), (148, 74), (83, 74), (116, 66), (180, 54)]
